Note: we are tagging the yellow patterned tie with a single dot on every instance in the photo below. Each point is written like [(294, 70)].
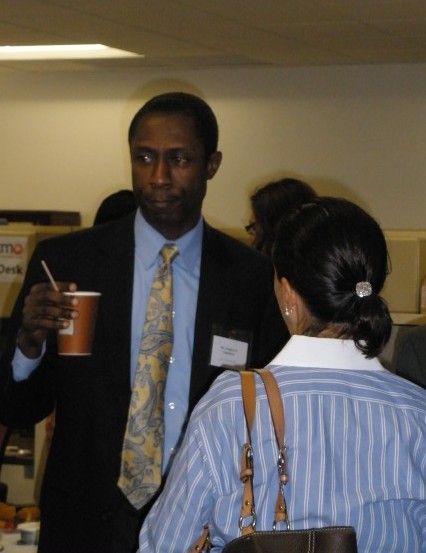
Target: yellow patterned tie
[(142, 454)]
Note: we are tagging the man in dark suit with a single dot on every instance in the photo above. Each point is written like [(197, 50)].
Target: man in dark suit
[(410, 355), (222, 289)]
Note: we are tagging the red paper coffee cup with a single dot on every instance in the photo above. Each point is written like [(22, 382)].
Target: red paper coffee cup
[(78, 337)]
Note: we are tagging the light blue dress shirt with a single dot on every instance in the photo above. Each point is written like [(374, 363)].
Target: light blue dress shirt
[(356, 445), (186, 276)]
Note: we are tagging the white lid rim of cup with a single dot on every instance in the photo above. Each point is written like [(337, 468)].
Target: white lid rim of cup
[(29, 526), (75, 354), (80, 293)]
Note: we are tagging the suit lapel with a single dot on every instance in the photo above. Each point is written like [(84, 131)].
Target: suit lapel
[(211, 310)]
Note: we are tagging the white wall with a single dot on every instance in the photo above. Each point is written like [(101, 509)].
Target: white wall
[(356, 131)]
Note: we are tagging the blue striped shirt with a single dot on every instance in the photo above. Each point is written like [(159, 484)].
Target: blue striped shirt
[(356, 443)]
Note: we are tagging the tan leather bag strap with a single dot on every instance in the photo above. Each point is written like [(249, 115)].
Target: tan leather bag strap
[(248, 512), (247, 520), (275, 404), (278, 421), (248, 390)]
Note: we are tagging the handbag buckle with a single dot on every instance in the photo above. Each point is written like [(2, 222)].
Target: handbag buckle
[(251, 524)]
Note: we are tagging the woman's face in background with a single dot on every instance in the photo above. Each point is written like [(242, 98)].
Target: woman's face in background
[(255, 231)]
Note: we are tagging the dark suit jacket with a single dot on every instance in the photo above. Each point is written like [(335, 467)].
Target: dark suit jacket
[(410, 355), (83, 511)]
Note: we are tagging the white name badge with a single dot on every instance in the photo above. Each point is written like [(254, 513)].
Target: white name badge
[(228, 352)]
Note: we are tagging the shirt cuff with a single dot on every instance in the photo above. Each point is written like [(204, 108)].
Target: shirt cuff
[(23, 366)]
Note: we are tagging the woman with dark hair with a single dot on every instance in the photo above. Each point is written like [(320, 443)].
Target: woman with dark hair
[(329, 260), (269, 204), (355, 432)]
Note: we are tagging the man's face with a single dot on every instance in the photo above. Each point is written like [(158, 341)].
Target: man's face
[(170, 172)]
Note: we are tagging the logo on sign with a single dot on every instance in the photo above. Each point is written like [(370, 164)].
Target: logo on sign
[(11, 249)]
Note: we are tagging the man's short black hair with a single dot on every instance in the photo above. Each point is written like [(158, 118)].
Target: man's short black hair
[(186, 104)]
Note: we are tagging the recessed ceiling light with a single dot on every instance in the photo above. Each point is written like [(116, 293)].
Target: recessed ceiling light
[(62, 52)]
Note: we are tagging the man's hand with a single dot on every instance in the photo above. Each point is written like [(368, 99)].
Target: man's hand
[(45, 310)]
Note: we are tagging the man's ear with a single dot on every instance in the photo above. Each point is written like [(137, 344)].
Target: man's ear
[(213, 164)]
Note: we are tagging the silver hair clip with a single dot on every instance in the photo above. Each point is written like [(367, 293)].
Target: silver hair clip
[(363, 289)]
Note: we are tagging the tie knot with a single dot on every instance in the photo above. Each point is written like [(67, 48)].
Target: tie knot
[(168, 252)]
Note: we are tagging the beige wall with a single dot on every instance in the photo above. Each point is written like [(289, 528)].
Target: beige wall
[(354, 131)]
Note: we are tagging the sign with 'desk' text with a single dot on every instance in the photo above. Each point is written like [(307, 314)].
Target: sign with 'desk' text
[(13, 258)]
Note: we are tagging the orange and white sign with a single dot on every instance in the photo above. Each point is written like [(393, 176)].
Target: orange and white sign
[(13, 258)]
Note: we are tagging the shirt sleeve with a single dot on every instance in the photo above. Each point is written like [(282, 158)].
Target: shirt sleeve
[(23, 366), (176, 520)]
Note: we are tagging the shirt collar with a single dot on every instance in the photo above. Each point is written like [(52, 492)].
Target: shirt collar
[(149, 242), (324, 353)]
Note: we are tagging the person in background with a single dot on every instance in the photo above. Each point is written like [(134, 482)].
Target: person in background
[(410, 355), (115, 206), (355, 432), (269, 204), (220, 286)]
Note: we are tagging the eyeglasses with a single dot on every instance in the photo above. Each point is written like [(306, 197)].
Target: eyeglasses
[(251, 228)]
